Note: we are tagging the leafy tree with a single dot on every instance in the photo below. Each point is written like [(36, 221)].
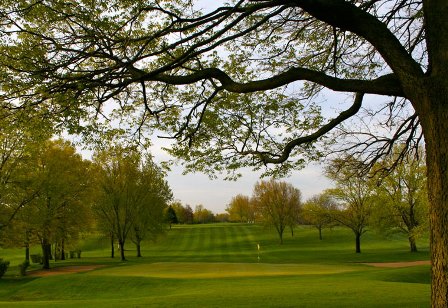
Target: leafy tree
[(58, 178), (401, 200), (133, 195), (20, 136), (76, 58), (184, 214), (240, 209), (171, 216), (222, 217), (277, 203), (179, 210), (202, 215), (316, 211), (353, 191), (188, 215), (152, 205)]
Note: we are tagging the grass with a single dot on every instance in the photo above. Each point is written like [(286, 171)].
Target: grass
[(217, 265)]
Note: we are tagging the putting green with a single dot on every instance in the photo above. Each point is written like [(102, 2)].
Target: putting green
[(222, 270)]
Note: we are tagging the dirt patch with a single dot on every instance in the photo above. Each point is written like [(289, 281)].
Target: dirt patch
[(63, 270), (399, 264)]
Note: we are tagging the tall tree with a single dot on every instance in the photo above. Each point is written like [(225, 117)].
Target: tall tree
[(401, 200), (150, 222), (58, 178), (133, 194), (20, 137), (353, 191), (277, 204), (240, 209), (76, 57), (170, 216)]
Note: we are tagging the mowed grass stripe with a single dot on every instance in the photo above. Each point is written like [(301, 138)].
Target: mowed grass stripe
[(195, 270), (186, 240), (174, 273), (242, 246)]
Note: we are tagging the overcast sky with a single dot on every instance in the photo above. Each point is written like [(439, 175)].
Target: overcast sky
[(198, 188)]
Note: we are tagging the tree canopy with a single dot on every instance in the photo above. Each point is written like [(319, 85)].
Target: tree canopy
[(237, 86)]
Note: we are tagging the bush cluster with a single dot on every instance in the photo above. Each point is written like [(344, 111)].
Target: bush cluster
[(3, 267)]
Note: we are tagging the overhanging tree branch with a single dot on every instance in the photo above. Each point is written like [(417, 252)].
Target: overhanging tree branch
[(384, 85), (268, 158)]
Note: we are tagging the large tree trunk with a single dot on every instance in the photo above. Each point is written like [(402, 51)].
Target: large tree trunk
[(46, 253), (435, 128), (412, 244), (358, 242), (62, 249)]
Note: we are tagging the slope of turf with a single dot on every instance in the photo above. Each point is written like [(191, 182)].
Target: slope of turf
[(217, 265)]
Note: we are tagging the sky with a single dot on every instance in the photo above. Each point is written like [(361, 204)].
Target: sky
[(194, 189), (215, 194)]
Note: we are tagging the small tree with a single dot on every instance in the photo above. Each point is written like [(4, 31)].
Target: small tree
[(170, 216), (353, 191), (277, 203), (240, 209), (316, 211)]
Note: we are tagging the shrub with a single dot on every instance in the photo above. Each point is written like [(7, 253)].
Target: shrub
[(23, 267), (3, 267), (36, 258)]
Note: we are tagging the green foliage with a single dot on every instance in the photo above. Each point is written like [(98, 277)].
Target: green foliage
[(170, 215), (133, 194), (241, 209), (317, 211), (3, 267), (278, 204), (202, 215), (401, 196)]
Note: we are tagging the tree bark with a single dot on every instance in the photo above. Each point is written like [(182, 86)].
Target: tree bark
[(139, 252), (412, 244), (358, 242), (62, 250), (27, 246), (434, 120), (112, 248), (123, 258), (46, 253), (27, 252), (320, 233)]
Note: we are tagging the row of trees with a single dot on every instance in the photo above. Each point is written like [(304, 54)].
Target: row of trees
[(177, 213), (387, 199), (51, 195)]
